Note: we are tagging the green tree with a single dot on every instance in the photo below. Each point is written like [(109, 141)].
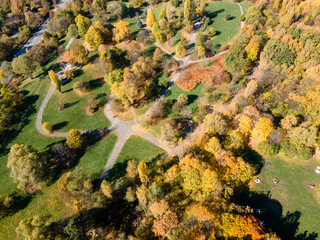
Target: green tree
[(75, 139), (83, 24), (188, 10), (72, 30), (28, 166), (23, 65)]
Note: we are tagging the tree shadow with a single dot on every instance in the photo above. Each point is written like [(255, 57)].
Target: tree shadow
[(96, 83), (286, 226), (254, 158), (192, 98), (218, 33), (67, 105), (69, 90), (19, 121), (214, 14), (60, 125)]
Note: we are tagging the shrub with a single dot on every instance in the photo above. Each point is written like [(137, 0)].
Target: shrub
[(47, 127), (305, 153), (228, 17), (81, 85), (266, 148)]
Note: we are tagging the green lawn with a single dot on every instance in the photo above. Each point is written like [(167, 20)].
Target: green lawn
[(74, 114), (97, 155), (291, 191), (46, 202), (193, 95), (135, 148), (225, 30)]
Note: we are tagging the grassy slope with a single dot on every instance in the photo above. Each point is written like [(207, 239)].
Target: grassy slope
[(292, 191), (193, 95), (74, 115), (217, 11), (135, 148)]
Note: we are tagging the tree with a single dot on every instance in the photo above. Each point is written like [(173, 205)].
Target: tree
[(23, 65), (83, 24), (215, 123), (121, 31), (47, 127), (150, 19), (210, 182), (55, 80), (213, 146), (303, 136), (168, 222), (192, 180), (72, 30), (79, 54), (75, 139), (106, 189), (28, 166), (253, 48), (34, 228), (201, 51), (289, 122), (143, 171), (188, 10), (97, 35), (159, 208), (142, 195), (262, 129), (181, 51)]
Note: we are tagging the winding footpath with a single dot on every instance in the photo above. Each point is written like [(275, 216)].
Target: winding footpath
[(125, 129)]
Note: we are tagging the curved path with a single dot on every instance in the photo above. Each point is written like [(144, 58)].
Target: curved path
[(125, 129)]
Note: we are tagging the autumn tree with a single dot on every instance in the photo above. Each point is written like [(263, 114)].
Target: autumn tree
[(79, 54), (163, 226), (75, 139), (141, 194), (253, 48), (97, 35), (34, 228), (181, 51), (303, 136), (83, 24), (210, 182), (121, 31), (150, 19), (143, 171), (106, 189), (28, 166), (159, 208), (262, 129), (215, 123), (55, 80)]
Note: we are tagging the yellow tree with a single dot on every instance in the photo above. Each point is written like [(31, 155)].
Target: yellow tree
[(97, 35), (106, 189), (150, 19), (253, 48), (262, 129), (121, 31), (143, 171), (55, 80), (159, 208)]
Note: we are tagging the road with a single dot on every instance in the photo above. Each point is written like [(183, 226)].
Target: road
[(37, 36)]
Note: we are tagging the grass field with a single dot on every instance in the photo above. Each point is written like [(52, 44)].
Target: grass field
[(292, 191), (97, 155), (225, 30), (74, 114), (193, 95), (135, 148)]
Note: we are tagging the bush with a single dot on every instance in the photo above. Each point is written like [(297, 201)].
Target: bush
[(81, 85), (266, 148), (242, 18), (75, 139), (287, 149), (305, 153), (228, 17), (47, 127)]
